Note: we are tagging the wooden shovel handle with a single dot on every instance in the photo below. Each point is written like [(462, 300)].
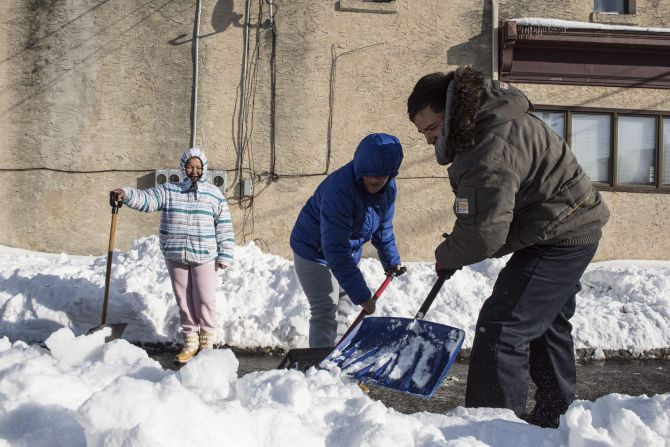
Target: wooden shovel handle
[(110, 251)]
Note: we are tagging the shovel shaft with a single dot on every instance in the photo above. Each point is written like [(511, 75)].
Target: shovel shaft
[(110, 251), (375, 297), (431, 297)]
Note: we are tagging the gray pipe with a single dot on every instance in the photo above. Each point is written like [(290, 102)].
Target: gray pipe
[(494, 40), (194, 87)]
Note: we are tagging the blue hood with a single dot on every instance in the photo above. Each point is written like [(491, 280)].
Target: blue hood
[(378, 154)]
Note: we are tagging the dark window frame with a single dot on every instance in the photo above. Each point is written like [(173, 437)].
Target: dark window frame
[(626, 8), (658, 187)]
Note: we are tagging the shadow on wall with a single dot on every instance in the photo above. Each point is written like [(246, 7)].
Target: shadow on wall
[(38, 13), (45, 64), (223, 16), (476, 52)]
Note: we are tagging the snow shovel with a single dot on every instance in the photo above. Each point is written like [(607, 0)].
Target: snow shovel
[(304, 358), (117, 328), (407, 355)]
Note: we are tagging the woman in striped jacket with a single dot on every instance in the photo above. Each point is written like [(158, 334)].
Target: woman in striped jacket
[(196, 238)]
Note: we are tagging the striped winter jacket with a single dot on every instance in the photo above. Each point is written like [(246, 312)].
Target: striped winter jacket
[(195, 223)]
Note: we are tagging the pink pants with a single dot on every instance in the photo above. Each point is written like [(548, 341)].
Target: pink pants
[(194, 288)]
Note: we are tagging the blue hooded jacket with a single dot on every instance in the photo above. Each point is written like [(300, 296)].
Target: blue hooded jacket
[(341, 215)]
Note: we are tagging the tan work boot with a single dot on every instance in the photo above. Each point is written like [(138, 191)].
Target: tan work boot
[(206, 340), (190, 349)]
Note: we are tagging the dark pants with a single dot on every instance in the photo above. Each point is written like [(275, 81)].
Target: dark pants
[(524, 327)]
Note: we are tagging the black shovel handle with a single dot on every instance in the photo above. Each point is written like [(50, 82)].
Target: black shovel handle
[(442, 276), (431, 297)]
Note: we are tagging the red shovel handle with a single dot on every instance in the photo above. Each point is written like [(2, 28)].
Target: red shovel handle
[(376, 296)]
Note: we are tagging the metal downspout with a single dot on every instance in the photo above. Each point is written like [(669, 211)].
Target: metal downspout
[(194, 85), (494, 40)]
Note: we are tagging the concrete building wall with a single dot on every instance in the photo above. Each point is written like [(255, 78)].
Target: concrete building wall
[(100, 93)]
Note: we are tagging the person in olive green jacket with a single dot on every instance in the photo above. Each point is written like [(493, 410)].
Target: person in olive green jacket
[(518, 189)]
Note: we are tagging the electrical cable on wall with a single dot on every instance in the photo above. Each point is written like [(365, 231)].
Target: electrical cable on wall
[(241, 118), (247, 96), (245, 117)]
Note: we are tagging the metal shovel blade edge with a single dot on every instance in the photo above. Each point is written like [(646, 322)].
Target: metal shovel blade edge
[(117, 330), (403, 354)]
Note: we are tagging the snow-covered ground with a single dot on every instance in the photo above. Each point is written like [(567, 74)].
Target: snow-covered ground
[(81, 391)]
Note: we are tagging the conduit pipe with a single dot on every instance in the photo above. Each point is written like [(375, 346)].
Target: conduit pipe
[(194, 86), (494, 40)]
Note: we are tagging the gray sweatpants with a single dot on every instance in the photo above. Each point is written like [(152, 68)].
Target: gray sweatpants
[(326, 300)]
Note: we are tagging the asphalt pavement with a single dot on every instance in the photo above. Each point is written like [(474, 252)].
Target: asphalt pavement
[(594, 379)]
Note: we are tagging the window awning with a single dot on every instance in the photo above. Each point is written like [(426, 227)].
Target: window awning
[(582, 56)]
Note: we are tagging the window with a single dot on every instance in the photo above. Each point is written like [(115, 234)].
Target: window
[(611, 6), (556, 120), (591, 142), (637, 149), (621, 151)]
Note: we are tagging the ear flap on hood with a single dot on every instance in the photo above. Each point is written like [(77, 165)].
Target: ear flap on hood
[(190, 153)]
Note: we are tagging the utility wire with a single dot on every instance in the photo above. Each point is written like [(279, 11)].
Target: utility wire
[(72, 171)]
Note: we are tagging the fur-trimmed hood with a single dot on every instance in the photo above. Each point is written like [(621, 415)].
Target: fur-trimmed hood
[(480, 104), (517, 183)]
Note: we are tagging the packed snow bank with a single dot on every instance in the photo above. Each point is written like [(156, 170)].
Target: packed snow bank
[(82, 392), (624, 305)]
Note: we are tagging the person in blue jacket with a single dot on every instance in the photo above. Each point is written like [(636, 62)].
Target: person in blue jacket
[(353, 205)]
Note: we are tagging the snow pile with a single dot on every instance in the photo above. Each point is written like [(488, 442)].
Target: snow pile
[(624, 305), (84, 392)]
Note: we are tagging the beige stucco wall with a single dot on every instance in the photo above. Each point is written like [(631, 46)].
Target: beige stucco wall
[(106, 85)]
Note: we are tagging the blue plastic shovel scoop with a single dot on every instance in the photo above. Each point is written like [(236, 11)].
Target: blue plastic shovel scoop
[(404, 354)]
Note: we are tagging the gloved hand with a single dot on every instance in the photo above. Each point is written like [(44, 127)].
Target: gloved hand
[(398, 270), (116, 198), (442, 271), (369, 306)]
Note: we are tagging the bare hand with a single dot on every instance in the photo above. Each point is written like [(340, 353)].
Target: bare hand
[(369, 306)]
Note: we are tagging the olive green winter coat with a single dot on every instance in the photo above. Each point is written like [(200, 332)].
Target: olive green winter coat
[(516, 181)]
